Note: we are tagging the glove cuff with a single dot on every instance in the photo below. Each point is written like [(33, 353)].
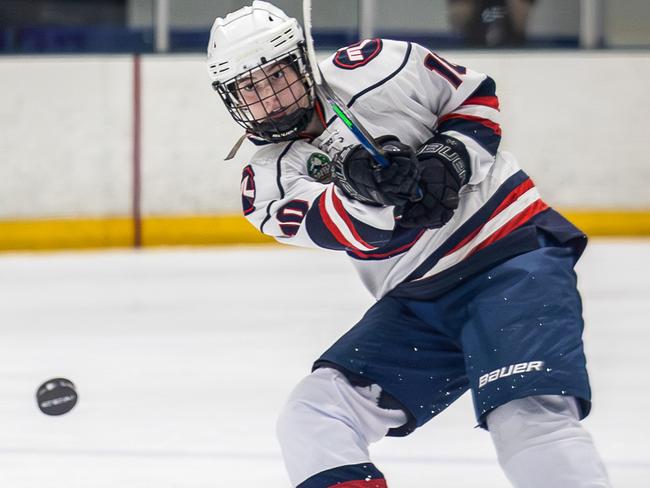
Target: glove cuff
[(452, 153)]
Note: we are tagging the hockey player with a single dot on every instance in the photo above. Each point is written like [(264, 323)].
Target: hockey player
[(472, 271)]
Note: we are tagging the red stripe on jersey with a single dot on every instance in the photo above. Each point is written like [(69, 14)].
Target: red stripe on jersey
[(469, 237), (512, 196), (496, 128), (331, 226), (372, 483), (492, 102), (394, 252), (340, 209), (507, 201), (517, 221)]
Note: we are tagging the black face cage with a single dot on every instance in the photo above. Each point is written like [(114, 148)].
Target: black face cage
[(295, 116)]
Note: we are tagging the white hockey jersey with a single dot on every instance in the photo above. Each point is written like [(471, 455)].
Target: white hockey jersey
[(405, 90)]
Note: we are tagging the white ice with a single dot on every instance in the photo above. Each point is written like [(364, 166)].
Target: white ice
[(182, 359)]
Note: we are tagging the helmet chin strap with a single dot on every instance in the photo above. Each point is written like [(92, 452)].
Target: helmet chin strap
[(293, 131), (286, 128)]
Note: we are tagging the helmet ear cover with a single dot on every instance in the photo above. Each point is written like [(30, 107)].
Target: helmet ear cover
[(299, 112)]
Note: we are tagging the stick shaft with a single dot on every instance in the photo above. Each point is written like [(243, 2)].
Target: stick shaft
[(311, 53), (339, 108), (349, 119)]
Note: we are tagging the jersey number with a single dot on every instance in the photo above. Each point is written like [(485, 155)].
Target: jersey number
[(291, 215), (444, 68)]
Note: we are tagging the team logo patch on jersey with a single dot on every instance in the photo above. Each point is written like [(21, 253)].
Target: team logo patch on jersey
[(358, 54), (248, 190), (318, 167)]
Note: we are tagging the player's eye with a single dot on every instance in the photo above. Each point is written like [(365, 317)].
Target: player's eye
[(278, 74), (246, 85)]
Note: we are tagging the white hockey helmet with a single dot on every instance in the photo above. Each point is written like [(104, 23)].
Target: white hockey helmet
[(251, 38)]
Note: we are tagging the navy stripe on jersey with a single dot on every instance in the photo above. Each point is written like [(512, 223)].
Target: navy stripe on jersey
[(487, 88), (521, 240), (279, 183), (483, 131), (556, 230), (473, 223), (365, 474), (378, 84), (325, 236), (401, 241)]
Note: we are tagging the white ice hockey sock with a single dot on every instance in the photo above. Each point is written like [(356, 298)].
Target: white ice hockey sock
[(328, 423), (540, 443)]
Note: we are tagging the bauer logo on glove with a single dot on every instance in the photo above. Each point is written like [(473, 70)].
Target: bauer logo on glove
[(444, 168)]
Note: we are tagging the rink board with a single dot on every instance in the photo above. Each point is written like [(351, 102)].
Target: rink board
[(224, 229)]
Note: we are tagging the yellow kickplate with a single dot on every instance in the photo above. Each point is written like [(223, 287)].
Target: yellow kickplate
[(65, 234), (192, 230), (49, 234), (611, 223)]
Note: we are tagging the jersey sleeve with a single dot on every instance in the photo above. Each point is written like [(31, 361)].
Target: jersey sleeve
[(283, 202), (465, 104)]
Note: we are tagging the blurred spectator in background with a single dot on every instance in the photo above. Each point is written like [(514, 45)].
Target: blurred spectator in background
[(20, 13), (30, 26), (490, 23)]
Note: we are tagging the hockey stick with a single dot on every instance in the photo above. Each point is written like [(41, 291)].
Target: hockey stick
[(326, 93)]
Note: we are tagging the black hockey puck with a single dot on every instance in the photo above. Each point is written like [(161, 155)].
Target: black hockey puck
[(56, 396)]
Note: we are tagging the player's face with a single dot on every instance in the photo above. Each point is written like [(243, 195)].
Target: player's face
[(272, 92)]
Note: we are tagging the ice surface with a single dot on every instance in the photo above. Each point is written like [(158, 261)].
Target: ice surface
[(182, 359)]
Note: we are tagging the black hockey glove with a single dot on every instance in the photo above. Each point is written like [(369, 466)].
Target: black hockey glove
[(360, 177), (444, 169)]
